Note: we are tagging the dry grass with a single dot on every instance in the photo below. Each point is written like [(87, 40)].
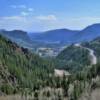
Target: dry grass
[(11, 97), (15, 97), (95, 95), (42, 95)]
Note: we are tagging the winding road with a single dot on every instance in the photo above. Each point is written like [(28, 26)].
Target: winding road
[(93, 58)]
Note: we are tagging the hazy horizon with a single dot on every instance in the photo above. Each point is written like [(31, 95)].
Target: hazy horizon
[(36, 16)]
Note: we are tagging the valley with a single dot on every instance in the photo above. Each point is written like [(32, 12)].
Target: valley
[(49, 50), (31, 69), (14, 79), (56, 40)]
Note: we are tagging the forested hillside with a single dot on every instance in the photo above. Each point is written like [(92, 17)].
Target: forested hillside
[(21, 69), (30, 76), (95, 45), (73, 58)]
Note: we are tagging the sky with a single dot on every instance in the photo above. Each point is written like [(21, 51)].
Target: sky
[(42, 15)]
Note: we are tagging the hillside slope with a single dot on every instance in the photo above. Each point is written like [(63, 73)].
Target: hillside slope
[(18, 36), (20, 69), (25, 74), (89, 33), (73, 58), (95, 45)]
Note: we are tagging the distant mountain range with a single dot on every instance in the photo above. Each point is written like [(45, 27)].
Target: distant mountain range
[(68, 36), (89, 33), (57, 36)]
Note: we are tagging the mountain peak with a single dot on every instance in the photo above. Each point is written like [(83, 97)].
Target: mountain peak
[(97, 25), (61, 30)]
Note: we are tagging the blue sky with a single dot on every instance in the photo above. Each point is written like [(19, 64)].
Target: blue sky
[(40, 15)]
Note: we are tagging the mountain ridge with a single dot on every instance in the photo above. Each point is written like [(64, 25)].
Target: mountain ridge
[(61, 37), (67, 36)]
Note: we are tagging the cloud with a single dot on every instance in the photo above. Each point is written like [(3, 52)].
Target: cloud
[(47, 18), (15, 22), (81, 22), (11, 18), (18, 6), (22, 6), (28, 23), (27, 12), (42, 23), (24, 13), (30, 9)]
